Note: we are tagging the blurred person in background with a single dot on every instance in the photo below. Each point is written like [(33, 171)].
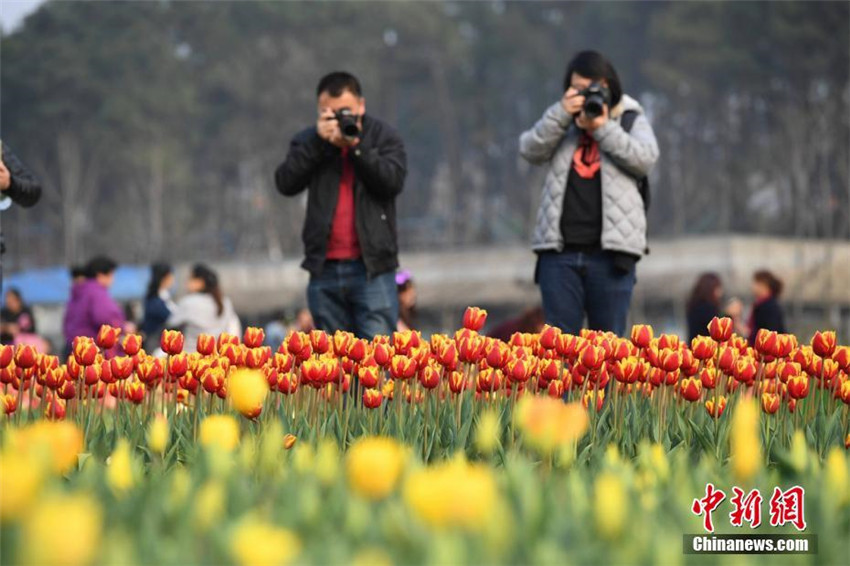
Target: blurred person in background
[(91, 305), (158, 304), (303, 321), (16, 181), (530, 321), (591, 224), (204, 310), (78, 275), (704, 304), (406, 300), (16, 316), (275, 329), (353, 167), (766, 311)]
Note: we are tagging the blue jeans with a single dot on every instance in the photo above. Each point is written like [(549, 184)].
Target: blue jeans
[(344, 298), (577, 283)]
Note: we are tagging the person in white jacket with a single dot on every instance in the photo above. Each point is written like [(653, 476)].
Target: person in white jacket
[(204, 310)]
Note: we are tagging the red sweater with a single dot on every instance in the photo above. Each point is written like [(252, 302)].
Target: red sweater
[(342, 242)]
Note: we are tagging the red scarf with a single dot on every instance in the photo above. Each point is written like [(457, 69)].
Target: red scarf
[(586, 157)]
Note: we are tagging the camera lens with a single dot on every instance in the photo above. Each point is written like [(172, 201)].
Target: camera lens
[(593, 105), (348, 124)]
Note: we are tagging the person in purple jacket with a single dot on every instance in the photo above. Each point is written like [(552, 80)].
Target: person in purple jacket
[(91, 305)]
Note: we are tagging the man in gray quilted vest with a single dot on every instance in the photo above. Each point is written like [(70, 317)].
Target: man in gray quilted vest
[(591, 224)]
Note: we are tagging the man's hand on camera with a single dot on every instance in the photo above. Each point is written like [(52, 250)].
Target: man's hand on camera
[(572, 102), (5, 177), (328, 129), (592, 124)]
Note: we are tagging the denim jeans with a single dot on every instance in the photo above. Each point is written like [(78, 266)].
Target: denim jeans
[(577, 283), (344, 298)]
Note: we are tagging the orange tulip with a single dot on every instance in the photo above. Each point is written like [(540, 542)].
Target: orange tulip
[(358, 349), (253, 337), (720, 329), (289, 441), (727, 359), (372, 398), (470, 349), (121, 366), (641, 335), (592, 357), (206, 344), (766, 341), (823, 343), (703, 347), (770, 402), (716, 411), (785, 344), (287, 383), (131, 344), (171, 342), (368, 376), (9, 403), (213, 380), (474, 318), (745, 370), (669, 360), (844, 391)]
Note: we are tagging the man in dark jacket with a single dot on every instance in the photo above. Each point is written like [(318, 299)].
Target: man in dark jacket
[(16, 182), (349, 231)]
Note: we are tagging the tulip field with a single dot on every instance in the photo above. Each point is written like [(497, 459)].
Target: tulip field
[(330, 449)]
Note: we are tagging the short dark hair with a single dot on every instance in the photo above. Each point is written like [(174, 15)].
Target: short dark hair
[(337, 82), (593, 65), (80, 271), (773, 282), (101, 265)]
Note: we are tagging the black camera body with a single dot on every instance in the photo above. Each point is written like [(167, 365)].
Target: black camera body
[(348, 123), (596, 96)]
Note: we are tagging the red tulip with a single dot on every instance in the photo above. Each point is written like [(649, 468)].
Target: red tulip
[(8, 402), (253, 337), (691, 389), (555, 389), (429, 376), (798, 387), (470, 349), (549, 337), (447, 355), (745, 370), (841, 355), (358, 349), (592, 357), (287, 383), (107, 336), (372, 398), (728, 357), (178, 365), (368, 376), (703, 347), (720, 329), (7, 354), (641, 335), (474, 318), (823, 343), (26, 356), (405, 341), (766, 341), (121, 366), (668, 342), (383, 354), (206, 344), (131, 344), (402, 367)]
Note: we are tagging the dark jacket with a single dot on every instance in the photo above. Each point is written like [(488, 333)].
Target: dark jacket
[(766, 314), (25, 189), (380, 165), (700, 314)]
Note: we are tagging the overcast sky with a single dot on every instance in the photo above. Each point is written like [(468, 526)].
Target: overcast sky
[(13, 11)]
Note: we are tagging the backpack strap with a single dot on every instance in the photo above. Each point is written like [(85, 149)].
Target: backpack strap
[(627, 120)]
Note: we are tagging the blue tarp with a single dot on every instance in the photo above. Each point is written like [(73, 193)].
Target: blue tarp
[(51, 285)]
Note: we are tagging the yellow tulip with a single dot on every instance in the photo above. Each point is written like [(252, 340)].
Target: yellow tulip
[(119, 473), (247, 390), (221, 431), (257, 543), (56, 443), (374, 465), (744, 441), (487, 432), (836, 477), (20, 482), (610, 505), (210, 502), (62, 530), (158, 434), (453, 494)]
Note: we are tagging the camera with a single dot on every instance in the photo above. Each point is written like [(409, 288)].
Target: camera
[(348, 123), (596, 96)]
